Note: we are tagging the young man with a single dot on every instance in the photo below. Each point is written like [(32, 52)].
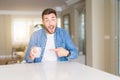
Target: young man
[(54, 43)]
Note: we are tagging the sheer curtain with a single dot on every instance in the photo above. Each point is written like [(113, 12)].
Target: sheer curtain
[(22, 29)]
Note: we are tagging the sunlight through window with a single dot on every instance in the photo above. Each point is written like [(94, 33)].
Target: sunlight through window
[(22, 30)]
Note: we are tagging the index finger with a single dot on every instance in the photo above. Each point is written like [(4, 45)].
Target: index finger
[(54, 50)]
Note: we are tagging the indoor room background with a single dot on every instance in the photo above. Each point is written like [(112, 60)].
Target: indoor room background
[(93, 26)]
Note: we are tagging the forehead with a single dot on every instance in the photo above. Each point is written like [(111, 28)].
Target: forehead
[(51, 15)]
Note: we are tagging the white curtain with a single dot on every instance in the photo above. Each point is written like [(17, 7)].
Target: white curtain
[(22, 29)]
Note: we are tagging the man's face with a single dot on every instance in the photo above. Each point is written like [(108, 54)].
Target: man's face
[(50, 23)]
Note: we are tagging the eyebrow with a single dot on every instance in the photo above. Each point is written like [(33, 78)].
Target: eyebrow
[(52, 17)]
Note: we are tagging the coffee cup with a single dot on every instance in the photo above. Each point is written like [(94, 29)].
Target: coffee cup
[(36, 51)]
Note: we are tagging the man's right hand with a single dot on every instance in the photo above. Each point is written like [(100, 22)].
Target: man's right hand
[(35, 51)]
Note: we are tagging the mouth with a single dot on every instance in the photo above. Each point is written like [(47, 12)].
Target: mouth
[(51, 29)]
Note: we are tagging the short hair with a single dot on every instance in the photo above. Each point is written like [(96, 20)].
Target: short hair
[(49, 11)]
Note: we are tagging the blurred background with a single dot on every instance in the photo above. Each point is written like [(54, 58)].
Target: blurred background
[(93, 26)]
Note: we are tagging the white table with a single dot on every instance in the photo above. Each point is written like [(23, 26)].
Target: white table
[(53, 71)]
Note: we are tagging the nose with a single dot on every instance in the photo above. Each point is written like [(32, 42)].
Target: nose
[(50, 22)]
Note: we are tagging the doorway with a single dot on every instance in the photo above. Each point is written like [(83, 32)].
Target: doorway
[(81, 34)]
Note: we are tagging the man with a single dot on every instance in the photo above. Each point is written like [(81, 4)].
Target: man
[(55, 43)]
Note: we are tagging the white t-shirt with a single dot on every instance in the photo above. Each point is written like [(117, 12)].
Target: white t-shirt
[(50, 44)]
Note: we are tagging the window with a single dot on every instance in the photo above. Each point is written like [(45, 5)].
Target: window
[(22, 29)]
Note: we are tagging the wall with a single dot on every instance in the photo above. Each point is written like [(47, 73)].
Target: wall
[(107, 34), (101, 34), (114, 36), (95, 33), (5, 35)]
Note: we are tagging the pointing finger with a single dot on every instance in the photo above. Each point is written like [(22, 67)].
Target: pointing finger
[(54, 50)]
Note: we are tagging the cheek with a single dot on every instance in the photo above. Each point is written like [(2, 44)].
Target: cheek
[(45, 24), (54, 23)]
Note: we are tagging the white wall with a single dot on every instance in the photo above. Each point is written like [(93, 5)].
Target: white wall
[(95, 33), (101, 34)]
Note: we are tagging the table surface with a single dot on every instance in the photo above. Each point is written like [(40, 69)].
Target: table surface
[(53, 71)]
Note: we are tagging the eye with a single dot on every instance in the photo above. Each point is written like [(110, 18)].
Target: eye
[(53, 19), (46, 20)]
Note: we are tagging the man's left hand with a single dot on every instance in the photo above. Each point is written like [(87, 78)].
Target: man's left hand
[(61, 52)]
